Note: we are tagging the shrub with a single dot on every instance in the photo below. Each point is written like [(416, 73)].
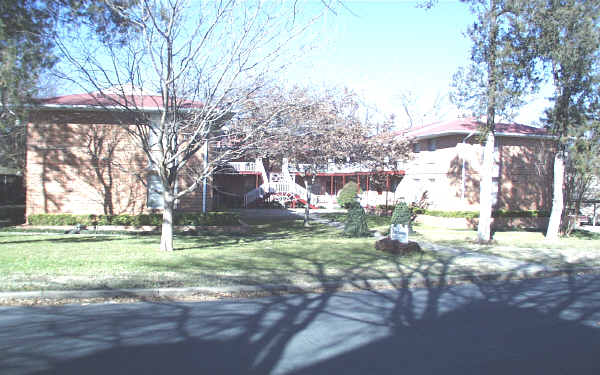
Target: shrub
[(348, 194), (460, 214), (401, 214), (356, 221), (196, 219), (475, 214)]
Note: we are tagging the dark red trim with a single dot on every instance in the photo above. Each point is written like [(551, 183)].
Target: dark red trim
[(343, 174), (332, 191)]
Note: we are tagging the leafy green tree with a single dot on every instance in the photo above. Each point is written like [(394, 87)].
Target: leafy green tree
[(582, 169), (25, 52), (501, 72), (568, 41)]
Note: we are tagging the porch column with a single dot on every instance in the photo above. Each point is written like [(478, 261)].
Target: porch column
[(358, 181), (368, 182), (387, 182), (332, 191), (257, 181), (343, 180)]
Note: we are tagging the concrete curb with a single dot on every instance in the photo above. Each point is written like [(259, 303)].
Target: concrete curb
[(327, 286)]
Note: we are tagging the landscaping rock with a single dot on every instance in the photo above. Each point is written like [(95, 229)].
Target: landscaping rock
[(396, 247)]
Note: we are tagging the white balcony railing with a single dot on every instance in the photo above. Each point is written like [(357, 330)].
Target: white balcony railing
[(242, 166)]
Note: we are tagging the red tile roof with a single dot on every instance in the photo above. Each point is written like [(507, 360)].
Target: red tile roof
[(97, 99), (469, 125)]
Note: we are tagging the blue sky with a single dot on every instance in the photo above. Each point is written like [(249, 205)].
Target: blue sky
[(388, 47), (383, 49)]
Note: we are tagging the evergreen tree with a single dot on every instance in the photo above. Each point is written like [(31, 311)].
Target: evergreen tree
[(568, 41), (356, 221), (501, 72), (401, 214)]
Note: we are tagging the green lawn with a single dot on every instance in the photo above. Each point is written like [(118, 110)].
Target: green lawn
[(275, 251), (280, 252), (580, 249), (379, 223)]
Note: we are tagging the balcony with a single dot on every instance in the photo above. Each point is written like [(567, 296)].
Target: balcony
[(242, 166)]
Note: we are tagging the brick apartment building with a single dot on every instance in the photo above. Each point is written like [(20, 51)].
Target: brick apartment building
[(447, 162), (81, 160)]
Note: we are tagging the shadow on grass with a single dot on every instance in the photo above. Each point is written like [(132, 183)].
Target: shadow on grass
[(545, 326), (272, 230), (286, 229), (585, 235), (68, 238)]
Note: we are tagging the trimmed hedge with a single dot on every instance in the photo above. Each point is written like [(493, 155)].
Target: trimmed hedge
[(196, 219), (475, 214)]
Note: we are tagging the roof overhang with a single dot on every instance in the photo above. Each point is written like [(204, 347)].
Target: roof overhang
[(81, 107), (467, 132)]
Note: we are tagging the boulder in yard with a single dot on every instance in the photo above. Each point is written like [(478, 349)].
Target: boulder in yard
[(396, 247)]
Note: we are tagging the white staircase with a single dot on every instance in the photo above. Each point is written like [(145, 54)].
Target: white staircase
[(284, 188), (281, 184)]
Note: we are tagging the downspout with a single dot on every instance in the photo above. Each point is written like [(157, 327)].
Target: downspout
[(204, 178), (463, 173)]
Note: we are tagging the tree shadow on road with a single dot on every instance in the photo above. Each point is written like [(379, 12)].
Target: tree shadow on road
[(545, 326)]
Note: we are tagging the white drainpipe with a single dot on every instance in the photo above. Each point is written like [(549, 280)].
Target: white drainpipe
[(462, 193), (204, 178)]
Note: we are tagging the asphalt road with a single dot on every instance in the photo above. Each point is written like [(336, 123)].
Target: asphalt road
[(544, 326)]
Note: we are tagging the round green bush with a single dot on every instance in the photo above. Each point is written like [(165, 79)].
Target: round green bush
[(356, 221), (348, 194), (401, 214)]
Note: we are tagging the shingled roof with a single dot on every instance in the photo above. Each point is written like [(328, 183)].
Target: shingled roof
[(471, 125), (112, 99)]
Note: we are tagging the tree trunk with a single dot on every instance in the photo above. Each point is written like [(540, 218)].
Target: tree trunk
[(307, 205), (557, 198), (166, 237), (485, 190)]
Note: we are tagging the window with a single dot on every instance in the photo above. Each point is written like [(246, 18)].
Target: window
[(432, 145), (416, 147), (155, 190)]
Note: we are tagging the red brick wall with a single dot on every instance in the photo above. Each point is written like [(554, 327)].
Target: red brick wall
[(84, 163), (525, 174), (525, 180)]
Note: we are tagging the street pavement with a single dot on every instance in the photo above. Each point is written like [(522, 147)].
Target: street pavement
[(536, 326)]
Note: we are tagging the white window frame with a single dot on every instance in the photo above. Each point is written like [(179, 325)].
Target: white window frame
[(156, 202)]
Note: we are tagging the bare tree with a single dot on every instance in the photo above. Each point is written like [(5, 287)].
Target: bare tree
[(417, 113), (321, 131), (206, 61)]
